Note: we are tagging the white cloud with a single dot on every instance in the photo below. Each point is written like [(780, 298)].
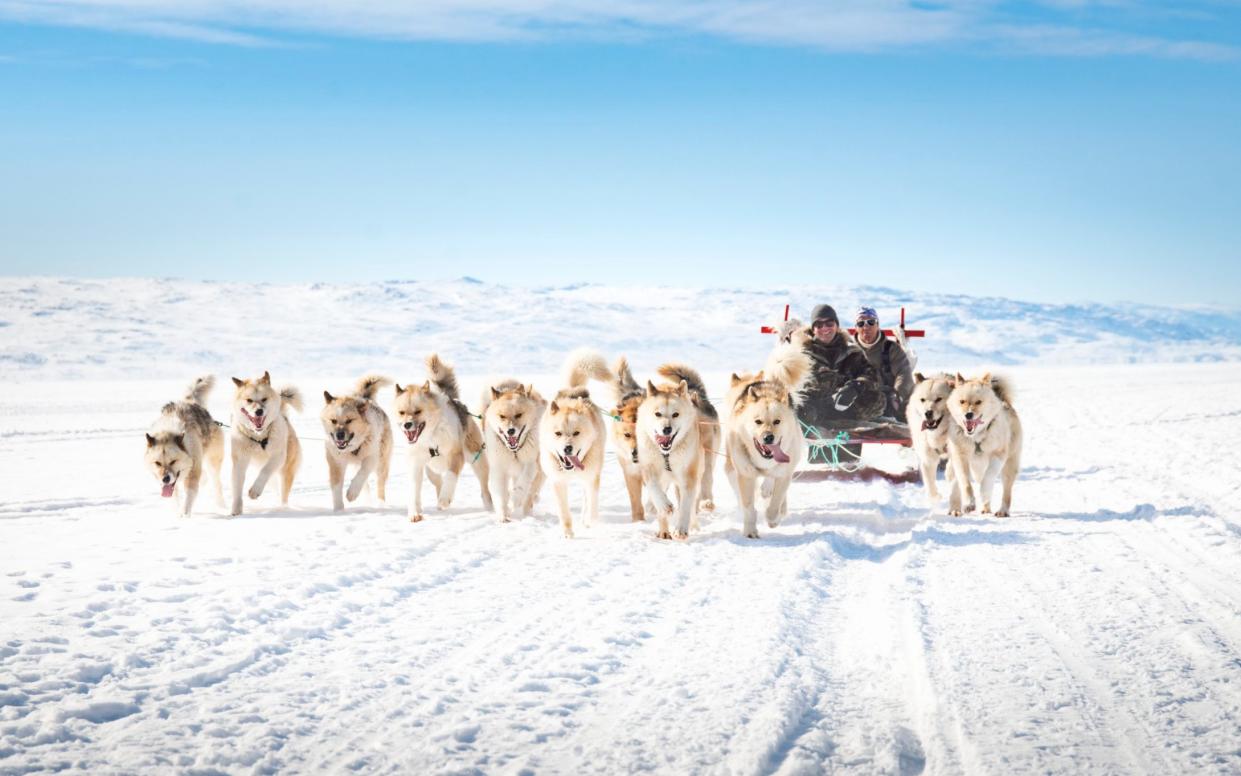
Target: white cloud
[(838, 25)]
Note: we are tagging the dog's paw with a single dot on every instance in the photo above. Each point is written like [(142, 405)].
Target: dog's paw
[(255, 491), (663, 535), (415, 518), (568, 532), (706, 505), (986, 509), (751, 534), (1001, 513), (954, 512), (773, 521), (638, 518), (680, 536), (353, 493)]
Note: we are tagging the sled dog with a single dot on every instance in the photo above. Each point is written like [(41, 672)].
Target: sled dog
[(762, 440), (629, 396), (678, 432), (511, 413), (262, 431), (929, 423), (440, 436), (572, 436), (358, 434), (181, 441), (984, 442)]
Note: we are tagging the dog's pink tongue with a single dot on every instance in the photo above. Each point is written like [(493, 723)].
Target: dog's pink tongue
[(970, 425), (663, 440), (166, 491), (573, 459), (776, 453)]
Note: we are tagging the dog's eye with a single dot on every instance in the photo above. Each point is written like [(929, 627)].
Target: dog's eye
[(517, 416), (559, 434), (417, 412), (676, 414), (658, 415), (576, 433), (628, 436), (758, 422), (775, 422)]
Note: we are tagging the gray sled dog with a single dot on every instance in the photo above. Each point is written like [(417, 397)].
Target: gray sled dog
[(984, 442), (261, 431), (762, 440), (440, 436), (358, 434), (181, 441), (629, 396), (511, 413), (930, 423), (678, 433), (572, 436)]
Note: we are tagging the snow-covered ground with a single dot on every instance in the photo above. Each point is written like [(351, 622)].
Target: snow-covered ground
[(1097, 630)]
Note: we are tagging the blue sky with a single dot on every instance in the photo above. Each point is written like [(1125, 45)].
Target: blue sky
[(1060, 151)]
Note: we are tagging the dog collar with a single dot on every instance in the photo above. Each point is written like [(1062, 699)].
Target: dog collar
[(262, 443), (434, 451)]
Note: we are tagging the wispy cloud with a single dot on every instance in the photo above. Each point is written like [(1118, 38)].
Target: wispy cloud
[(1050, 27)]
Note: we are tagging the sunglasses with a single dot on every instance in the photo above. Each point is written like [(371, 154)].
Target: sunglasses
[(866, 324)]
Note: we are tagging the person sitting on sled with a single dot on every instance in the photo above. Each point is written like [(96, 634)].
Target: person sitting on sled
[(843, 386), (888, 358)]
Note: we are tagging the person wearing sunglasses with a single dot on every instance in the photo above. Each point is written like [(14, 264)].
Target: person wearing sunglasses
[(887, 358), (843, 384)]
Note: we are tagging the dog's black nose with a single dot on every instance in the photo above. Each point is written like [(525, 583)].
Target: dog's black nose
[(930, 414), (512, 432), (769, 438), (568, 449), (258, 413), (969, 416), (667, 430), (340, 434), (167, 479), (409, 424)]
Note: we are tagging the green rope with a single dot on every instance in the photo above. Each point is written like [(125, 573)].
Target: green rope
[(480, 452), (827, 451)]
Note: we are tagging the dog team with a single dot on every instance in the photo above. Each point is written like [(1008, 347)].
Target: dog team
[(666, 437)]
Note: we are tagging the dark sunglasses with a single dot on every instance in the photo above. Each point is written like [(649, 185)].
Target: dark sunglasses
[(867, 323)]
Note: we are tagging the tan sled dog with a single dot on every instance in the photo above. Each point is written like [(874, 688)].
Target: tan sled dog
[(762, 440), (572, 437), (929, 425), (671, 436), (629, 396), (358, 434), (511, 413), (984, 442), (181, 441), (262, 431), (708, 429), (440, 436)]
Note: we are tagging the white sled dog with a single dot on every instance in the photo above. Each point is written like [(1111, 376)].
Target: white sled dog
[(629, 396), (678, 432), (511, 413), (572, 436), (929, 426), (440, 437), (181, 441), (262, 431), (984, 442), (358, 434), (762, 440)]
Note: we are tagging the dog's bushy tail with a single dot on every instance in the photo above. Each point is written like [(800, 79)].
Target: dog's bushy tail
[(1003, 388), (789, 366), (368, 386), (624, 385), (443, 376), (677, 372), (198, 390), (582, 365), (291, 397)]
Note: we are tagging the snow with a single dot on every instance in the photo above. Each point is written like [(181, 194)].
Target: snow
[(1096, 630)]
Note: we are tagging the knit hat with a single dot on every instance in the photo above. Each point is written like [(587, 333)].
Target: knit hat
[(865, 312), (823, 312)]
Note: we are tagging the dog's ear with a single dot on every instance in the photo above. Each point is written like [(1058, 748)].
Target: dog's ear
[(329, 398), (651, 390), (919, 377), (266, 378), (986, 379), (759, 376), (179, 441), (734, 379), (427, 386), (530, 390), (237, 381), (960, 378), (554, 407), (399, 391), (495, 393), (683, 388), (150, 441)]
